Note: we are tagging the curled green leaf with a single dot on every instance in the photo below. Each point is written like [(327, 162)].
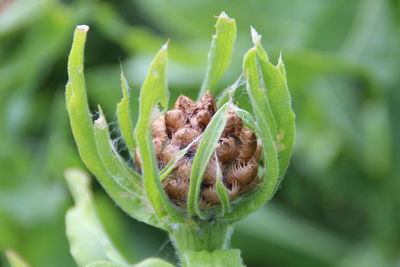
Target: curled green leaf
[(270, 180), (122, 174), (154, 91), (206, 147), (82, 125), (274, 79), (124, 116), (220, 53)]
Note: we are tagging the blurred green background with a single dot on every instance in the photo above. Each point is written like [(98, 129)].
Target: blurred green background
[(339, 204)]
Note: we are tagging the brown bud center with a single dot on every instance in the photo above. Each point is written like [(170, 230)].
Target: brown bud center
[(237, 153)]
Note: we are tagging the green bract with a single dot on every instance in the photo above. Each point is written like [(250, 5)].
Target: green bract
[(199, 235)]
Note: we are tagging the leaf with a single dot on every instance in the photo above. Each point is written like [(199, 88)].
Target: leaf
[(258, 92), (106, 264), (247, 118), (171, 164), (122, 174), (270, 180), (125, 117), (15, 260), (206, 147), (82, 126), (154, 91), (228, 93), (86, 235), (153, 262), (274, 78), (150, 262), (220, 53), (222, 191), (219, 257)]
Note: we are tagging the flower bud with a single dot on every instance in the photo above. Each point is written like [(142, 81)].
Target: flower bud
[(236, 152)]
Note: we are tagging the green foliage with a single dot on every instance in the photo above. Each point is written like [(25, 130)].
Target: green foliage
[(220, 53), (339, 202), (124, 115), (15, 260), (204, 152), (87, 237), (103, 160)]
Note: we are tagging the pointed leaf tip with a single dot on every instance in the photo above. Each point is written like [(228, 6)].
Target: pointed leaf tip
[(223, 15), (256, 38), (83, 28)]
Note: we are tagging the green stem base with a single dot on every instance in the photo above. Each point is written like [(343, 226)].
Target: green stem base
[(205, 244)]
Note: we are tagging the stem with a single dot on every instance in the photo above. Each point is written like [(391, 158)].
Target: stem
[(207, 236)]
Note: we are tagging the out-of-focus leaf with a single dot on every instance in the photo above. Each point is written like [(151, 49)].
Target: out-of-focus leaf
[(15, 260), (206, 147), (153, 92), (221, 258), (106, 264), (285, 230), (220, 53), (87, 237), (376, 141), (20, 13), (153, 262), (279, 101), (125, 117), (82, 126)]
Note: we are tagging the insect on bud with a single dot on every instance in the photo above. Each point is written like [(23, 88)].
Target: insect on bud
[(237, 151)]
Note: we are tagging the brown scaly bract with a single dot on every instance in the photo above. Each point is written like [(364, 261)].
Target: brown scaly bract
[(237, 151)]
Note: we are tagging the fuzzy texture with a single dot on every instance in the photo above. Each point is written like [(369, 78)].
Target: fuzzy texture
[(237, 151)]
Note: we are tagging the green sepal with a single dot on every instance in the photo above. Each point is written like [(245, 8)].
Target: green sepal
[(82, 125), (274, 79), (222, 193), (220, 53), (123, 175), (206, 147), (153, 92), (270, 179), (124, 116)]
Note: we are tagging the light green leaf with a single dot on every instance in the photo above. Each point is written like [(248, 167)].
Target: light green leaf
[(122, 174), (82, 126), (154, 91), (228, 93), (206, 147), (270, 180), (86, 235), (171, 164), (80, 117), (106, 264), (153, 262), (274, 78), (247, 118), (15, 260), (150, 262), (222, 192), (125, 117), (219, 257), (220, 53)]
